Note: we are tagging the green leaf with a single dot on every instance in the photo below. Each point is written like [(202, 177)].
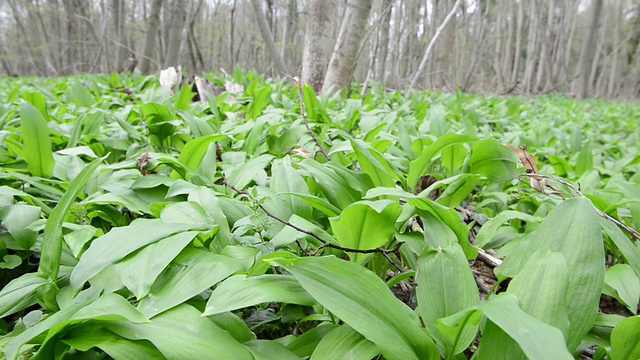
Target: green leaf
[(20, 293), (194, 151), (36, 141), (623, 284), (625, 340), (52, 238), (585, 160), (365, 225), (538, 340), (253, 138), (118, 243), (242, 175), (458, 190), (489, 230), (190, 273), (420, 166), (345, 343), (445, 285), (16, 218), (86, 337), (261, 99), (81, 95), (139, 270), (572, 228), (182, 333), (268, 350), (364, 302), (630, 252), (238, 292), (183, 102), (494, 161), (548, 303), (285, 180)]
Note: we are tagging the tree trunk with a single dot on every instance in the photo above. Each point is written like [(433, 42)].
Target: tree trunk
[(118, 25), (588, 50), (175, 34), (267, 36), (314, 57), (292, 19), (150, 36), (383, 47), (344, 54)]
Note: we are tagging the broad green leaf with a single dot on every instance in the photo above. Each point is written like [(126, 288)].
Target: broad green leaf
[(187, 212), (489, 230), (494, 161), (548, 303), (20, 293), (52, 238), (189, 274), (445, 284), (335, 188), (16, 218), (289, 235), (453, 157), (345, 343), (305, 344), (182, 333), (623, 284), (183, 102), (117, 347), (420, 166), (81, 95), (37, 144), (364, 302), (458, 190), (139, 270), (234, 325), (253, 138), (38, 100), (451, 218), (365, 225), (242, 175), (268, 350), (585, 160), (213, 209), (261, 99), (572, 228), (538, 340), (317, 203), (286, 180), (625, 340), (194, 151), (239, 291), (118, 243), (630, 252)]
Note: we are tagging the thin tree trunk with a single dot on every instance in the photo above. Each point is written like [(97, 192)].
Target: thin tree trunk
[(384, 40), (118, 25), (267, 36), (292, 19), (443, 49), (518, 51), (314, 57), (344, 54), (149, 41), (433, 41), (588, 50), (176, 27)]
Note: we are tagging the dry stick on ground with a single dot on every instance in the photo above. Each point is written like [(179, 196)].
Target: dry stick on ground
[(630, 230), (306, 123), (325, 244)]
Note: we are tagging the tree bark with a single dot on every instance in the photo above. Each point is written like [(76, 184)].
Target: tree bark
[(383, 47), (118, 25), (292, 19), (314, 58), (150, 36), (267, 36), (588, 50), (175, 34), (344, 53)]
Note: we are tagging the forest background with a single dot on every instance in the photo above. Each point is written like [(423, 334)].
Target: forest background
[(586, 48)]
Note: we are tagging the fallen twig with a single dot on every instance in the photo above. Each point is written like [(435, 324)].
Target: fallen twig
[(630, 230), (325, 244)]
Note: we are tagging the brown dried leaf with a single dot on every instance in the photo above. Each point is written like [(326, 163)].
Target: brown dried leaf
[(529, 162)]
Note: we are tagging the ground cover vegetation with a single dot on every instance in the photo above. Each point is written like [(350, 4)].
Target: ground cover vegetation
[(264, 222)]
